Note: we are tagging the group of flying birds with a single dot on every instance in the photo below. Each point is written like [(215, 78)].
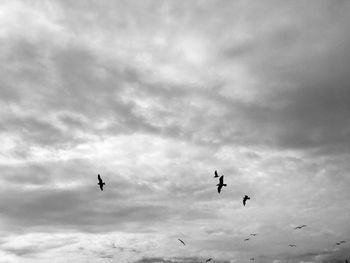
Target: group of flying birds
[(221, 184), (245, 198)]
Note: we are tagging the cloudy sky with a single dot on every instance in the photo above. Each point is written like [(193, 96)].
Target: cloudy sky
[(156, 95)]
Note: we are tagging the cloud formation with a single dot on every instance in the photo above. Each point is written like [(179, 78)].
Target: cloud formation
[(155, 96)]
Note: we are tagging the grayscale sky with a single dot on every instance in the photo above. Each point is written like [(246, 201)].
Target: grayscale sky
[(156, 95)]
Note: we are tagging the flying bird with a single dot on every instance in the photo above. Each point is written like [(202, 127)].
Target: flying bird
[(100, 182), (252, 259), (292, 245), (300, 227), (253, 235), (182, 242), (245, 198), (221, 183), (246, 239), (216, 174), (340, 242), (208, 260)]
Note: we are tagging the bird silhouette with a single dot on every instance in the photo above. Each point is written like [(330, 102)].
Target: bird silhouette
[(341, 242), (252, 259), (216, 174), (346, 261), (246, 239), (245, 198), (100, 182), (300, 227), (208, 260), (182, 242), (221, 183), (253, 235), (338, 243), (292, 245)]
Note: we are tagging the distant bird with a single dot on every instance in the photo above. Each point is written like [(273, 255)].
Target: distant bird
[(216, 174), (182, 242), (221, 183), (300, 227), (253, 235), (341, 242), (245, 198), (252, 259), (100, 182), (208, 260), (292, 245), (246, 239)]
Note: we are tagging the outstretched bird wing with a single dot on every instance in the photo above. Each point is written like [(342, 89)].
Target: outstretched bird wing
[(209, 259), (219, 188), (221, 180), (181, 241), (245, 198), (216, 174), (100, 182)]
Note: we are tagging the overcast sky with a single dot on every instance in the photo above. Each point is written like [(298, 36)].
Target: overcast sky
[(155, 96)]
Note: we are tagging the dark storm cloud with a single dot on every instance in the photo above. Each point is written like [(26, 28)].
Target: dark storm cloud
[(31, 199), (155, 97), (81, 84), (303, 74), (113, 96), (74, 86), (310, 110), (75, 209)]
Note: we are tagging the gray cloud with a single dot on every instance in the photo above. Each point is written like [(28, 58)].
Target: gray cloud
[(314, 96), (172, 260), (155, 97), (73, 209)]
